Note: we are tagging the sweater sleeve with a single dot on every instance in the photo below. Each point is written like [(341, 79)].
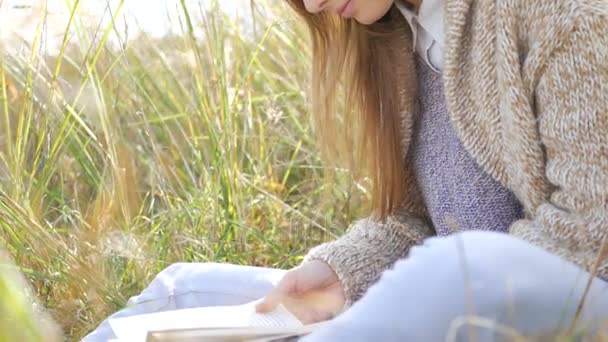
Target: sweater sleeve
[(572, 112), (369, 247)]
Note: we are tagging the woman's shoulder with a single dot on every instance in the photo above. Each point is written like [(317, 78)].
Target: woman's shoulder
[(552, 14), (547, 23)]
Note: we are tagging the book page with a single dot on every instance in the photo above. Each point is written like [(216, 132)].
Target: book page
[(136, 328), (250, 334)]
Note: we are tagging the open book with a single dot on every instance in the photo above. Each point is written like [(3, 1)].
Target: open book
[(217, 324)]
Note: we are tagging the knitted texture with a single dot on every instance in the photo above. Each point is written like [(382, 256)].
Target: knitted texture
[(369, 247), (459, 195), (525, 85)]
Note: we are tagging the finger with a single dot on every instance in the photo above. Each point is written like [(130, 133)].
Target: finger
[(309, 316), (306, 313), (312, 317), (268, 303), (274, 297)]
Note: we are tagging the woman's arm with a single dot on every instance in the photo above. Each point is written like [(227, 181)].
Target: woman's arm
[(361, 255), (572, 111)]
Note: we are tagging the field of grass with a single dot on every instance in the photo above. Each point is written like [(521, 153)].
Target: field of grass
[(116, 161)]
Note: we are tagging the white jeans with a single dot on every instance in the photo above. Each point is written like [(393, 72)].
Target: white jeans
[(424, 297), (188, 285)]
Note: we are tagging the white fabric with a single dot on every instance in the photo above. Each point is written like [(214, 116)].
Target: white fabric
[(470, 287), (428, 30), (189, 285), (492, 275)]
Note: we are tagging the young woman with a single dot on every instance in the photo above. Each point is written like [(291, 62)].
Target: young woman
[(483, 123)]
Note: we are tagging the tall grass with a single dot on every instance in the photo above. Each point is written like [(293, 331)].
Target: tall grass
[(21, 318), (117, 161)]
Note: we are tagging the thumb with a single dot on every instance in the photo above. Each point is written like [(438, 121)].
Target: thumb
[(274, 297), (268, 303)]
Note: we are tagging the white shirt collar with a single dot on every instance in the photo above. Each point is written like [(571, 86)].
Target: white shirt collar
[(430, 17), (427, 27)]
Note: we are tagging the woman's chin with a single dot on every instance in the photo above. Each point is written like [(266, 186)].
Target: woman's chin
[(370, 17), (366, 20)]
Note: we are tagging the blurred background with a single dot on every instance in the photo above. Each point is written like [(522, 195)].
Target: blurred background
[(138, 133)]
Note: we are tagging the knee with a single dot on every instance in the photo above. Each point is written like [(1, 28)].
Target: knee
[(478, 257), (180, 269), (171, 273), (493, 252), (172, 269), (182, 275), (477, 247)]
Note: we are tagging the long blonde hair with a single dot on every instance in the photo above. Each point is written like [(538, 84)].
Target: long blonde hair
[(359, 61)]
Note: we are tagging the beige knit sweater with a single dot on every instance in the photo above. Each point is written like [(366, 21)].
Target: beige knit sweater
[(526, 84)]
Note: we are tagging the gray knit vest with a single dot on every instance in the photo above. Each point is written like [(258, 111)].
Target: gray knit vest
[(458, 194)]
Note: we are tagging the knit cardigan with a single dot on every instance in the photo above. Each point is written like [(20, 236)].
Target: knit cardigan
[(526, 85)]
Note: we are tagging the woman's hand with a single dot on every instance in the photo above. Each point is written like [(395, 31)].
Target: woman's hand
[(311, 291)]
